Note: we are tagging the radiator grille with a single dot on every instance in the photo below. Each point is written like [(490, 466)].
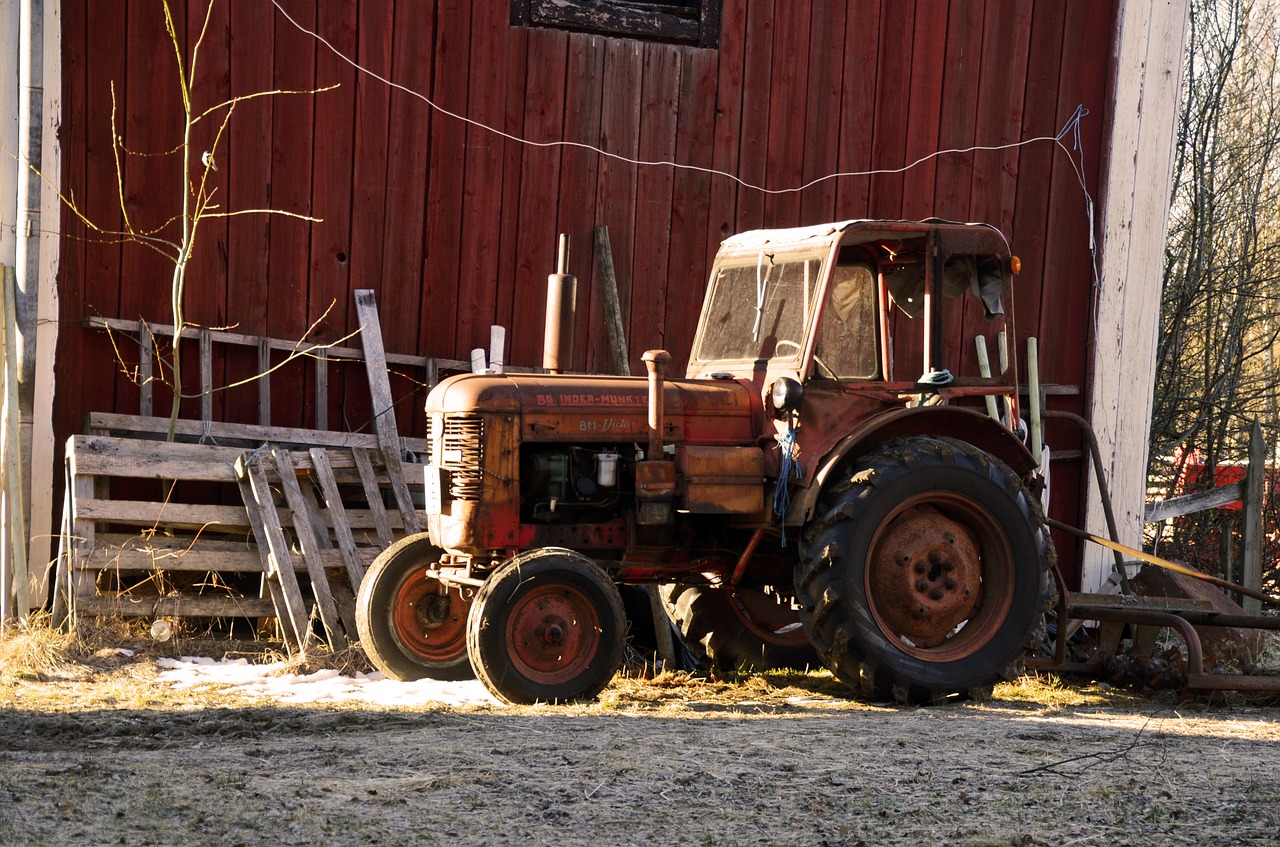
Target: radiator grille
[(462, 455)]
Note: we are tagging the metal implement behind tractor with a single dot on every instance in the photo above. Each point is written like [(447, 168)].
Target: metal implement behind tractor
[(821, 482)]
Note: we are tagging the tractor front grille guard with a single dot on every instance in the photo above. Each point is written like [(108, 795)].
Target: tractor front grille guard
[(460, 453)]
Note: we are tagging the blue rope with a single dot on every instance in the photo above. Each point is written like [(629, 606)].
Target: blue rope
[(790, 469)]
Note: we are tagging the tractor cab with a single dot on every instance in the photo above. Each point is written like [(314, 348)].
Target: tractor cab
[(840, 329)]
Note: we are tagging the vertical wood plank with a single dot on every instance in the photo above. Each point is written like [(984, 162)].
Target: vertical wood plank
[(404, 267), (858, 107), (893, 101), (446, 268), (292, 134), (373, 493), (1134, 219), (311, 546), (928, 54), (206, 280), (264, 382), (147, 355), (754, 135), (333, 190), (349, 402), (277, 562), (384, 421), (248, 160), (321, 365), (517, 42), (338, 516), (788, 124), (954, 172), (690, 209), (150, 121), (729, 95), (205, 349), (821, 149), (474, 308), (1004, 56), (579, 170), (539, 179), (1255, 489), (659, 108), (616, 189)]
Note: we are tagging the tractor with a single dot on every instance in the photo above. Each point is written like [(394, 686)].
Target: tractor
[(793, 499)]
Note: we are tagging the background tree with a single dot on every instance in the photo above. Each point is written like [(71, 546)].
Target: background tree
[(1216, 356)]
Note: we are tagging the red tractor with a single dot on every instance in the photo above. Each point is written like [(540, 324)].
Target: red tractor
[(793, 495)]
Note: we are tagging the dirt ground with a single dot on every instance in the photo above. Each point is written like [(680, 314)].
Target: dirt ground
[(105, 753)]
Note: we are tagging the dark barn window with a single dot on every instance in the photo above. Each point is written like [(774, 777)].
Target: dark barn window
[(679, 21)]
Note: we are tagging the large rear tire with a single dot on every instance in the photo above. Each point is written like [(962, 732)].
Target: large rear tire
[(925, 573), (738, 629), (411, 627), (547, 627)]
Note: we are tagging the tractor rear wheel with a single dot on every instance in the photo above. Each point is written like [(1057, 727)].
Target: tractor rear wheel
[(738, 629), (412, 627), (926, 573), (547, 627)]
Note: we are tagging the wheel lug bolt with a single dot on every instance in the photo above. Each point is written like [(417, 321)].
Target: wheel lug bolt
[(935, 594), (921, 567), (921, 585), (948, 565), (949, 584)]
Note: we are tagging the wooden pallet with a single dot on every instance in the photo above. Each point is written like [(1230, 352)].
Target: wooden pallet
[(129, 555), (179, 519)]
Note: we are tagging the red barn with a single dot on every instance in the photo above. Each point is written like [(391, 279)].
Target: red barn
[(448, 143)]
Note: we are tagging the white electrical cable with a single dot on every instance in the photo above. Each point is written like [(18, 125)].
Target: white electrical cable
[(1072, 125)]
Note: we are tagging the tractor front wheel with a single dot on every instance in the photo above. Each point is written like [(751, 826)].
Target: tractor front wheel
[(547, 627), (412, 627), (926, 572)]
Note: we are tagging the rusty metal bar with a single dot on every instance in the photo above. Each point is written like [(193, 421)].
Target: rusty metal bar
[(1104, 492), (1164, 563), (741, 567)]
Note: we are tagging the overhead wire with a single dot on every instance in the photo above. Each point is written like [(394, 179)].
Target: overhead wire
[(1071, 127)]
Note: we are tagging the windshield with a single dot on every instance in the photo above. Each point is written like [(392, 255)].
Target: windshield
[(757, 308)]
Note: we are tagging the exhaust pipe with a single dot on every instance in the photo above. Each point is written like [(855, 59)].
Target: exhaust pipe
[(562, 303)]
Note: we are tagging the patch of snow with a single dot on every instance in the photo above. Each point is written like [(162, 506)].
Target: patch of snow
[(323, 686)]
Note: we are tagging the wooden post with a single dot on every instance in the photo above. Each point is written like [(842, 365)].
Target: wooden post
[(1033, 392), (14, 554), (264, 382), (612, 306), (206, 376), (1251, 560), (384, 412), (984, 370)]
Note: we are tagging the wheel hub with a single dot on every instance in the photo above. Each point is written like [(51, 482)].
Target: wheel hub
[(553, 634), (428, 623), (926, 576)]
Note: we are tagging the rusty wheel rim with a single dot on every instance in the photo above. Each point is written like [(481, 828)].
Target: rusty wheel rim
[(429, 624), (553, 634), (940, 577)]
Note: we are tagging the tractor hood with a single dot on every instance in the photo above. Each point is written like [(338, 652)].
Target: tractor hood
[(569, 407)]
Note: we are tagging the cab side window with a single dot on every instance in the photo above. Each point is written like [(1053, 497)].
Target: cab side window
[(846, 342)]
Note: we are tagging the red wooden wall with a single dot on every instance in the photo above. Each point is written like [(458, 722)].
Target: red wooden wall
[(455, 226)]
